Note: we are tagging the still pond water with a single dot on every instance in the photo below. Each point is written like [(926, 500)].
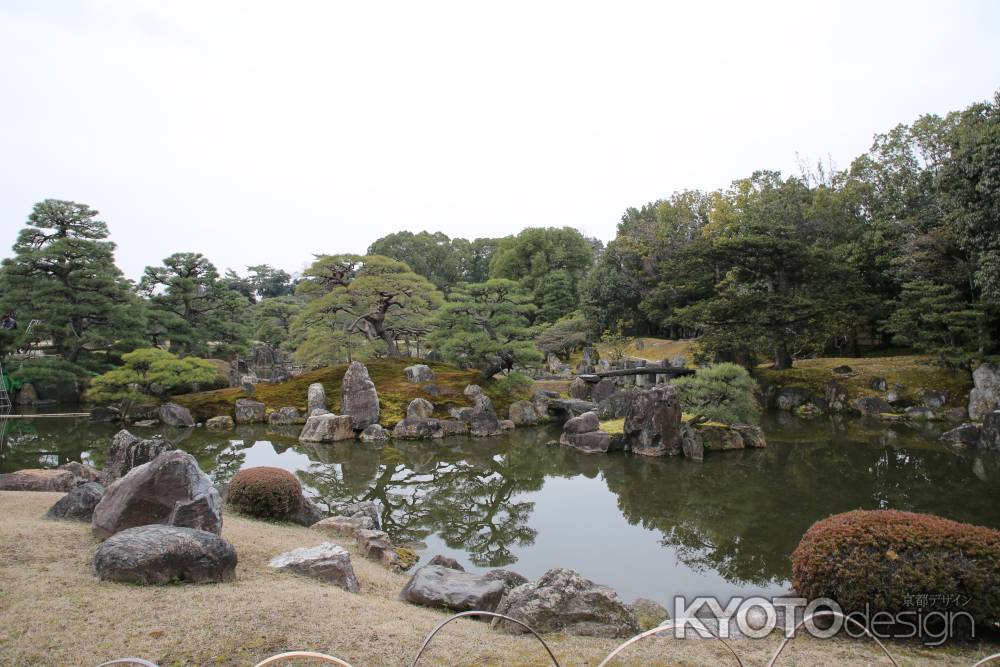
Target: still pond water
[(646, 527)]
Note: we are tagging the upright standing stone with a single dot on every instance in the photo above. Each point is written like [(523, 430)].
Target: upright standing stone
[(358, 397), (985, 396), (316, 398), (126, 451), (249, 412), (653, 427)]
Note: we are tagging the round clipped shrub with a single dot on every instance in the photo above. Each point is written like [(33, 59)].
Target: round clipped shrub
[(889, 559), (267, 493)]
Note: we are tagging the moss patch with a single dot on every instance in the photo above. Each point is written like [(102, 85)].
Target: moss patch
[(613, 426), (916, 373), (653, 349), (394, 391)]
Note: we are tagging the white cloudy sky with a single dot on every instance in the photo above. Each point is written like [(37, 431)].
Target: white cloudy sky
[(269, 131)]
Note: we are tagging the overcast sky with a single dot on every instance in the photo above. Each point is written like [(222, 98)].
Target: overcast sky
[(265, 132)]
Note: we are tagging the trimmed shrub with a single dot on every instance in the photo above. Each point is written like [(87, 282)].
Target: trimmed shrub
[(721, 392), (886, 558), (266, 493)]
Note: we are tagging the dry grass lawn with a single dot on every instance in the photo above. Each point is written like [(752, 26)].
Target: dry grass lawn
[(53, 611)]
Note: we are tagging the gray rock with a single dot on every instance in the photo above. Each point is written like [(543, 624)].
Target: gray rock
[(126, 451), (220, 423), (453, 427), (420, 408), (419, 373), (570, 407), (327, 428), (871, 406), (507, 425), (308, 513), (836, 397), (374, 544), (374, 433), (602, 390), (585, 423), (509, 579), (82, 472), (935, 399), (594, 442), (319, 412), (753, 436), (842, 370), (285, 417), (966, 434), (78, 504), (445, 561), (438, 586), (344, 526), (985, 395), (653, 427), (789, 398), (921, 414), (471, 391), (417, 428), (648, 613), (618, 404), (483, 420), (172, 414), (878, 384), (39, 480), (692, 444), (563, 601), (169, 489), (990, 437), (358, 397), (523, 413), (579, 389), (249, 412), (364, 508), (678, 361), (316, 398), (155, 554), (326, 562), (146, 423)]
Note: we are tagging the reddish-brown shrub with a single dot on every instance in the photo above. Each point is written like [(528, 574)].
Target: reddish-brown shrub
[(267, 493), (887, 558)]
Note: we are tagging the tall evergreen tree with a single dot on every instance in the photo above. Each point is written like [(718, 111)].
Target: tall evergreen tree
[(63, 282)]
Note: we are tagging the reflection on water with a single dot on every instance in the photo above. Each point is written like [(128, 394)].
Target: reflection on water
[(650, 527)]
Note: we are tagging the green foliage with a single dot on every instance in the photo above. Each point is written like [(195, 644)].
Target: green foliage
[(63, 277), (151, 372), (265, 493), (380, 299), (549, 263), (44, 370), (273, 318), (192, 308), (485, 325), (932, 317), (874, 561), (722, 392), (565, 335), (444, 261), (616, 342)]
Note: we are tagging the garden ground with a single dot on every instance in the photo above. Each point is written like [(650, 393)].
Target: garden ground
[(53, 611)]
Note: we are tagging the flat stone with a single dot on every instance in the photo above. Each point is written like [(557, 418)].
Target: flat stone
[(327, 428), (156, 554), (438, 586), (327, 562), (344, 526), (249, 412), (37, 479)]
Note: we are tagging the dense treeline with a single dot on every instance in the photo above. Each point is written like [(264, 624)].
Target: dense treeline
[(900, 249)]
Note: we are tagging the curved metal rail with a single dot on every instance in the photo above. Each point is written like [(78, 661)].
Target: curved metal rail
[(302, 654), (834, 614), (666, 625), (448, 620)]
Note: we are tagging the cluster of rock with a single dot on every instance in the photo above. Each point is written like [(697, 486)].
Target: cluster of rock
[(653, 426), (362, 525), (559, 601), (984, 436)]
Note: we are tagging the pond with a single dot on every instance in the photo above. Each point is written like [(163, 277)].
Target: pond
[(646, 527)]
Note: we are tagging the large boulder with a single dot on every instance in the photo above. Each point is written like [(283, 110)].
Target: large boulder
[(580, 389), (653, 426), (585, 423), (32, 479), (419, 373), (990, 437), (127, 451), (327, 562), (542, 400), (170, 489), (789, 398), (563, 601), (603, 390), (618, 404), (358, 397), (153, 554), (966, 435), (570, 407), (420, 408), (417, 428), (753, 436), (985, 395), (220, 423), (871, 406), (327, 428), (285, 417), (453, 427), (719, 437), (316, 398), (78, 504), (172, 414), (523, 413), (440, 586), (593, 442), (249, 412), (483, 420), (374, 433)]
